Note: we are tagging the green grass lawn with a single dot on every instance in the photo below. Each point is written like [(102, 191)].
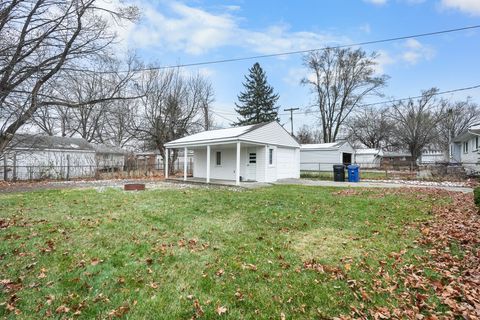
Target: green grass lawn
[(178, 254)]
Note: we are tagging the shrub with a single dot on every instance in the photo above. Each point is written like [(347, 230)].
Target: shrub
[(476, 196)]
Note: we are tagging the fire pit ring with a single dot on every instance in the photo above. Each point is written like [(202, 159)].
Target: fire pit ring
[(134, 187)]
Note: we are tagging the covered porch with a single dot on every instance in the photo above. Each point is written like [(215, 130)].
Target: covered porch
[(227, 163)]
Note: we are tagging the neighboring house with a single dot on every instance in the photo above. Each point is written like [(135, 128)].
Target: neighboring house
[(396, 159), (109, 157), (322, 157), (152, 160), (262, 152), (465, 150), (432, 156), (47, 157), (368, 158)]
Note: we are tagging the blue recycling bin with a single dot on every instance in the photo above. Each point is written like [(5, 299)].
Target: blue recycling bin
[(353, 173)]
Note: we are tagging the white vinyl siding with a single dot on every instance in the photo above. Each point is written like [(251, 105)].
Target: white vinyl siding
[(323, 159), (271, 134), (286, 163)]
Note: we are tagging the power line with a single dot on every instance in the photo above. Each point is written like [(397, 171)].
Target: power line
[(286, 53), (363, 105), (216, 112), (229, 120), (394, 100)]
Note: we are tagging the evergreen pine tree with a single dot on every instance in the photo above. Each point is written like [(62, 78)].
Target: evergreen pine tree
[(257, 102)]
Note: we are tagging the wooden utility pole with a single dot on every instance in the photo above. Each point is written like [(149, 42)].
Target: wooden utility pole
[(291, 117)]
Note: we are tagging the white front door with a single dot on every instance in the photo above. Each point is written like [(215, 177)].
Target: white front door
[(251, 172)]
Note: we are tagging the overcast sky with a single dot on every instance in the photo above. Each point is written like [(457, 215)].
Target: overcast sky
[(181, 32)]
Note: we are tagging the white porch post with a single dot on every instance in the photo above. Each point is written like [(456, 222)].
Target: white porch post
[(208, 164), (267, 160), (237, 169), (165, 165), (185, 150)]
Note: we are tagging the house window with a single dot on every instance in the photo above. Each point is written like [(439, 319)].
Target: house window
[(270, 156), (465, 147), (218, 158), (252, 157), (476, 143)]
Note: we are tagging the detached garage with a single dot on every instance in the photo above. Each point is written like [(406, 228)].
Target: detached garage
[(263, 152), (322, 157)]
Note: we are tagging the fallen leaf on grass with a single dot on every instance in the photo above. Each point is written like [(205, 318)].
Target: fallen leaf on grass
[(250, 266), (119, 312), (220, 310), (197, 308), (62, 309), (95, 261)]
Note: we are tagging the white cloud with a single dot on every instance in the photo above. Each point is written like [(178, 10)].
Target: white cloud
[(383, 60), (376, 2), (295, 75), (382, 2), (366, 28), (416, 51), (197, 31), (467, 6)]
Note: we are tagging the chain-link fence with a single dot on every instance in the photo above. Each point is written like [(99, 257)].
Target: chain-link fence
[(131, 168), (402, 170)]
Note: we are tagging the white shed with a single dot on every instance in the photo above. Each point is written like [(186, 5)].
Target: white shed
[(322, 157), (262, 152), (368, 158)]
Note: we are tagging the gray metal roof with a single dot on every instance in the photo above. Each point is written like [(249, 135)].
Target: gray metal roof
[(216, 135), (107, 149), (42, 142)]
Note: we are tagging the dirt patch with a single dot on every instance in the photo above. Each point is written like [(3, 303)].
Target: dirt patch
[(326, 244)]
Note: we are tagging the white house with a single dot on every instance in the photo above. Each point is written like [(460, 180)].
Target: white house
[(263, 152), (432, 156), (322, 157), (368, 158), (153, 160), (109, 157), (465, 150), (39, 157)]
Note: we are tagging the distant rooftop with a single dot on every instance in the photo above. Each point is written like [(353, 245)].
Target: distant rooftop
[(316, 146), (44, 142), (368, 151), (107, 149), (31, 141)]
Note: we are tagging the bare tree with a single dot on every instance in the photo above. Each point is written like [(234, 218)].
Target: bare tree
[(372, 127), (416, 122), (204, 90), (40, 40), (342, 79), (170, 108), (306, 135), (458, 117), (117, 131)]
